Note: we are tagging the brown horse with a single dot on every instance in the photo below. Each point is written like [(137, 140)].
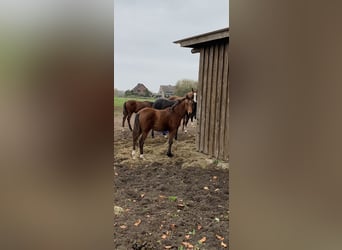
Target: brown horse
[(132, 106), (190, 95), (160, 120)]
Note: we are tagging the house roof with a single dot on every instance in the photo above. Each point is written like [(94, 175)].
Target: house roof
[(167, 88), (139, 85), (202, 39)]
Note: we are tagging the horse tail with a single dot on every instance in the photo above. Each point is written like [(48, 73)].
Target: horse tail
[(124, 110), (137, 128)]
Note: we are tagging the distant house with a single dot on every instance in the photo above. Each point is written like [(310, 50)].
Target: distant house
[(167, 90), (141, 90)]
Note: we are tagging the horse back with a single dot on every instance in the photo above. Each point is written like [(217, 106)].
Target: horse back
[(175, 98), (158, 120), (162, 103)]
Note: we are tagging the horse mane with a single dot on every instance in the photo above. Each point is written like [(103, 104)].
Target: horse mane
[(178, 102)]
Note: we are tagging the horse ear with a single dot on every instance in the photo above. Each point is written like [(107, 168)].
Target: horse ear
[(192, 89)]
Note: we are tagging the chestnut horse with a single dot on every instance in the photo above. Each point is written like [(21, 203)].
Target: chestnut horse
[(132, 106), (163, 103), (192, 95), (160, 120)]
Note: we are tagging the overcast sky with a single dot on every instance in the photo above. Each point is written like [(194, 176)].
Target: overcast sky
[(144, 32)]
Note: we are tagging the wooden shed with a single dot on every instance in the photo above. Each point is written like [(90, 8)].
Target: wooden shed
[(212, 136)]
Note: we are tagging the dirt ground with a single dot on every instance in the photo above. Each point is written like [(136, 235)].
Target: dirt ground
[(168, 203)]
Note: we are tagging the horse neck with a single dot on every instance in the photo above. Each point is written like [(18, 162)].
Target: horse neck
[(180, 109)]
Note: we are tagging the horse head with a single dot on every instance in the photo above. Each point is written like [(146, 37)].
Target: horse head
[(194, 93)]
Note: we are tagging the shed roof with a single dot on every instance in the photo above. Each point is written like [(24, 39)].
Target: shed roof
[(200, 40)]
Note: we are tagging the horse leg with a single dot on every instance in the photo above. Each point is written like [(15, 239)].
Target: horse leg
[(152, 133), (171, 135), (141, 144), (136, 135), (185, 123), (123, 120), (192, 120), (129, 121)]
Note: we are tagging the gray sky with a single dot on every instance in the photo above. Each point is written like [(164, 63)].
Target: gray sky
[(144, 31)]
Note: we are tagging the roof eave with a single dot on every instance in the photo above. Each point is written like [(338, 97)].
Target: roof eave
[(195, 41)]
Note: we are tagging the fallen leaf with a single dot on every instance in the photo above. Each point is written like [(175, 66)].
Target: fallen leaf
[(222, 244), (173, 226), (142, 195), (219, 237), (164, 236), (115, 173), (214, 177), (162, 196), (180, 206), (187, 236), (199, 227), (123, 226), (202, 240), (168, 247), (137, 223), (217, 189), (206, 188)]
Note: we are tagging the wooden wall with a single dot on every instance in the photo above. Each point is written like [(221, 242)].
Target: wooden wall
[(213, 101)]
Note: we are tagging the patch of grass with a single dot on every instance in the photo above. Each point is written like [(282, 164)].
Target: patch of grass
[(216, 161), (119, 101), (172, 198), (193, 232)]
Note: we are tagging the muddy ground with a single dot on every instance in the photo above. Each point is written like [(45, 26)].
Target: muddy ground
[(168, 203)]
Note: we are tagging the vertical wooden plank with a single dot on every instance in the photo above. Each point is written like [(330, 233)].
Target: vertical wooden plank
[(208, 99), (199, 99), (225, 77), (218, 105), (224, 107), (213, 94), (204, 99)]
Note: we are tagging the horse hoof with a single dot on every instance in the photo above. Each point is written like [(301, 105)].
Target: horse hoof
[(142, 157), (169, 155)]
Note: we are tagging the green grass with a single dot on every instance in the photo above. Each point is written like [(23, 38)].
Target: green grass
[(119, 101), (172, 198)]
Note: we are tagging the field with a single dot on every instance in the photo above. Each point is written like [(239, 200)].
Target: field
[(168, 203), (119, 101)]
